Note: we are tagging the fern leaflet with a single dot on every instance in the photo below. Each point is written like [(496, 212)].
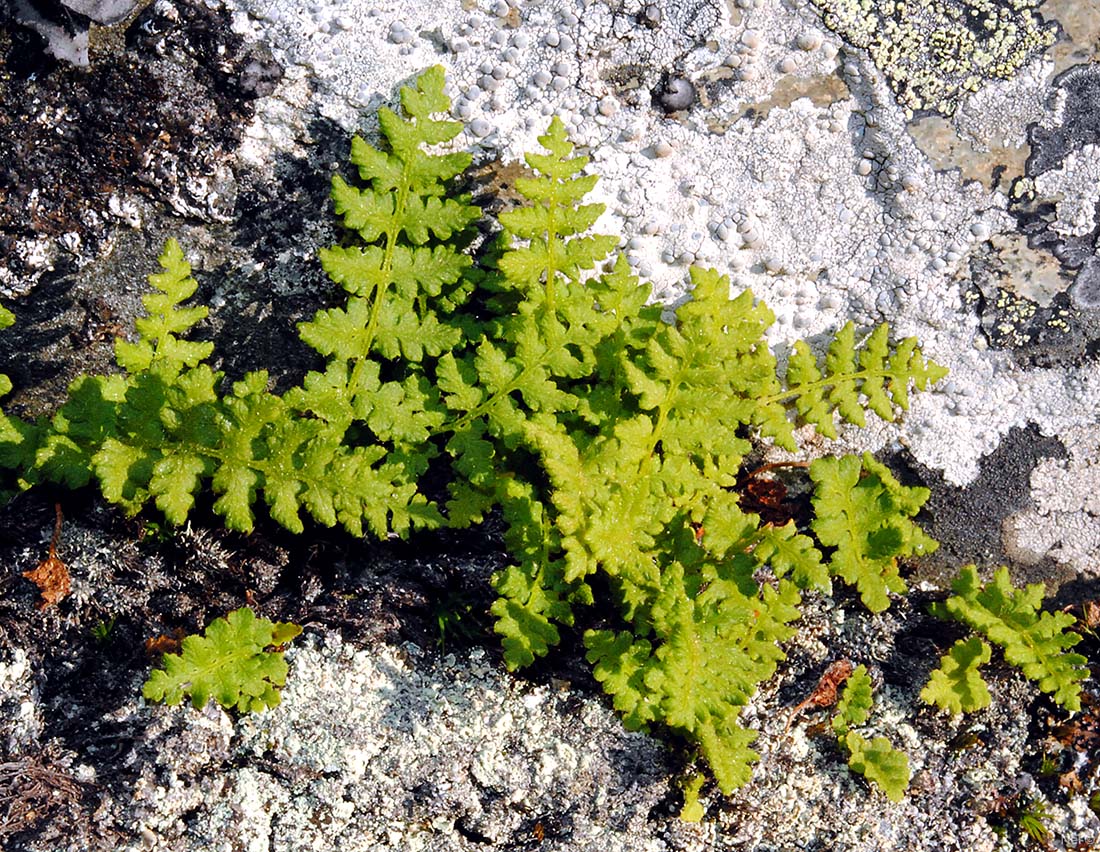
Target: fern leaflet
[(957, 686), (864, 512)]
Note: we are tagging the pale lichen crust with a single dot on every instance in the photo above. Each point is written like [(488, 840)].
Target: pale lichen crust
[(934, 53)]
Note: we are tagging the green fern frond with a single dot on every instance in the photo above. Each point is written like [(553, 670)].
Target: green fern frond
[(408, 222), (553, 220), (872, 376), (166, 319), (234, 662), (709, 648), (534, 594), (856, 701), (880, 763), (1037, 642), (788, 552), (876, 760)]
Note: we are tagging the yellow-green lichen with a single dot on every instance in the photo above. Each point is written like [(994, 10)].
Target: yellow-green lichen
[(933, 53)]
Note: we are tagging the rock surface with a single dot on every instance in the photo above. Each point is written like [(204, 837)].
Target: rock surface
[(769, 139)]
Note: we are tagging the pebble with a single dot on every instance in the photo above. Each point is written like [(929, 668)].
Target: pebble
[(809, 40), (678, 94), (400, 34)]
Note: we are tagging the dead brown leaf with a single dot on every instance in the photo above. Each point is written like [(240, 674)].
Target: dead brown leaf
[(825, 693), (51, 576), (162, 644), (53, 581)]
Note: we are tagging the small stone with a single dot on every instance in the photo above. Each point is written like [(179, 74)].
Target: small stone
[(809, 40), (400, 34), (678, 94)]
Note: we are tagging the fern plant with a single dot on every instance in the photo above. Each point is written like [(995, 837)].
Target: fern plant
[(957, 685), (532, 379), (876, 760), (1036, 642), (237, 661)]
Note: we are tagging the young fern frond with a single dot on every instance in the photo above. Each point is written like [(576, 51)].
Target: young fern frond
[(142, 434), (876, 760), (159, 342), (407, 223), (236, 662), (701, 661), (856, 702), (879, 762), (553, 222), (1035, 641), (957, 685)]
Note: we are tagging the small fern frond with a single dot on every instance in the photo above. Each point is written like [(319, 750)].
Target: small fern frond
[(236, 662), (879, 762), (552, 221), (871, 376), (856, 701), (1037, 642), (876, 760), (534, 594), (408, 222), (703, 661), (166, 319)]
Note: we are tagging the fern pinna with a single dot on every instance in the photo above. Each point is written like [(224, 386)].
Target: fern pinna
[(534, 380), (17, 438)]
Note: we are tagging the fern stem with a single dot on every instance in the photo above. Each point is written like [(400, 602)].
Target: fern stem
[(551, 244), (791, 393), (387, 257)]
